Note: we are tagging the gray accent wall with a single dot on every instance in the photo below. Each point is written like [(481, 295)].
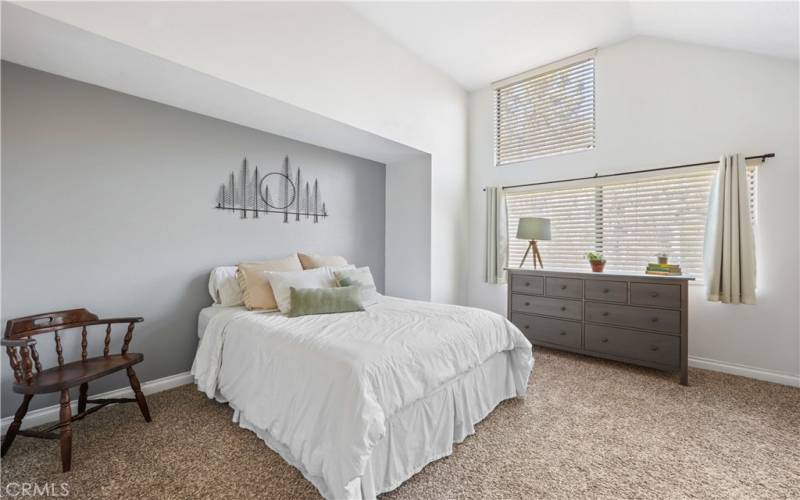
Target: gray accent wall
[(107, 203)]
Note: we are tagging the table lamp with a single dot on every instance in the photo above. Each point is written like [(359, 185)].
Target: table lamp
[(533, 229)]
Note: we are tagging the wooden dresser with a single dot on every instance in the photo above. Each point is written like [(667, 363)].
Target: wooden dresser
[(634, 318)]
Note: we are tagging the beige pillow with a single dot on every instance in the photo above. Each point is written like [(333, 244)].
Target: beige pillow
[(253, 280), (313, 261)]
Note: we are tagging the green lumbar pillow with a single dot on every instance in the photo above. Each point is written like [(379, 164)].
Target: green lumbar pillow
[(306, 301)]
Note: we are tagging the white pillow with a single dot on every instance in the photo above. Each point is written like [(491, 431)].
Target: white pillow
[(339, 268), (362, 278), (224, 287), (281, 282)]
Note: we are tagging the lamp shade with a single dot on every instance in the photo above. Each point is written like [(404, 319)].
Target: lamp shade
[(533, 228)]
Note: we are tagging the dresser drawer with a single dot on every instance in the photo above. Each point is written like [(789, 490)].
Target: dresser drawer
[(548, 330), (656, 294), (570, 309), (641, 346), (610, 291), (660, 320), (527, 284), (564, 287)]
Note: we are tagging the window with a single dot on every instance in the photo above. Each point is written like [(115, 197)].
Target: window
[(546, 111), (629, 221)]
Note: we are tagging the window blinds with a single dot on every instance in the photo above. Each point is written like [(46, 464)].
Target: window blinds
[(642, 219), (629, 221), (572, 224), (546, 112)]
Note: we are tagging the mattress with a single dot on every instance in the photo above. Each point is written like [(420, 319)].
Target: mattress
[(209, 312), (328, 391)]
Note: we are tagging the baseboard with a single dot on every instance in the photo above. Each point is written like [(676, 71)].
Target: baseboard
[(50, 413), (745, 371)]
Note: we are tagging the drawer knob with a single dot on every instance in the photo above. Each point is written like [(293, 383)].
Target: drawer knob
[(605, 290), (563, 287), (654, 348), (527, 327), (527, 283), (654, 320), (654, 294), (605, 313), (604, 341), (527, 303), (563, 308), (563, 333)]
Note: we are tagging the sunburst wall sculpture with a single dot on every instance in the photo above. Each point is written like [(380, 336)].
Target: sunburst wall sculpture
[(272, 193)]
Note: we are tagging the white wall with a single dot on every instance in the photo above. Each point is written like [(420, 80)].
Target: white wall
[(662, 103), (408, 187), (325, 58)]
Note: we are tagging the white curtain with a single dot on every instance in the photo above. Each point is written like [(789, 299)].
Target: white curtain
[(730, 261), (496, 237)]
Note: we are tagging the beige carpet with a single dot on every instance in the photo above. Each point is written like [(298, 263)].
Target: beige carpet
[(589, 428)]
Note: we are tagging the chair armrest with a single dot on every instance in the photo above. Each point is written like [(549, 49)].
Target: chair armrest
[(17, 343), (81, 324), (111, 321)]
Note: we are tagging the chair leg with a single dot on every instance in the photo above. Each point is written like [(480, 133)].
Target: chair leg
[(13, 429), (66, 432), (84, 395), (137, 390)]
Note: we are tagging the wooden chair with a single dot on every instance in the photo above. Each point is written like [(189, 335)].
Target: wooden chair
[(65, 376)]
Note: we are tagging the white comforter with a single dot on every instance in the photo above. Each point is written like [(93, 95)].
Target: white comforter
[(324, 385)]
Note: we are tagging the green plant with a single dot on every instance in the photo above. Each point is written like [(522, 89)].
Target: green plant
[(595, 257)]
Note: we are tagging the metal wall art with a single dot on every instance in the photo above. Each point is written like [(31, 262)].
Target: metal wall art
[(272, 193)]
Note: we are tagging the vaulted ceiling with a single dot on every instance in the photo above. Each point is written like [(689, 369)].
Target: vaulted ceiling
[(476, 43)]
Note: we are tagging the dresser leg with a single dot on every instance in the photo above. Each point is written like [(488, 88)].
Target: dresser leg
[(685, 374)]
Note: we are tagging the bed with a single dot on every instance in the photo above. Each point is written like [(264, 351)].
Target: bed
[(359, 402)]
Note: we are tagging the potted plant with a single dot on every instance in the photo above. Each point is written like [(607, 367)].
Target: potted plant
[(597, 261)]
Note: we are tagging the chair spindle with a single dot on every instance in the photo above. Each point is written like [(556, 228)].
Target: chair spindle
[(84, 344), (107, 342), (27, 366), (35, 356), (58, 349), (15, 365), (127, 339)]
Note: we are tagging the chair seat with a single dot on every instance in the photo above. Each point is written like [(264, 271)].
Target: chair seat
[(77, 373)]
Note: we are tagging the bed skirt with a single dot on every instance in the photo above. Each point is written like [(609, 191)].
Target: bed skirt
[(421, 432)]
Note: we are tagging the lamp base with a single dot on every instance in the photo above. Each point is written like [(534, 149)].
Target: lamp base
[(535, 255)]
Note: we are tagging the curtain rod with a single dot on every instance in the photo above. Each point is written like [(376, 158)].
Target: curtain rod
[(763, 158)]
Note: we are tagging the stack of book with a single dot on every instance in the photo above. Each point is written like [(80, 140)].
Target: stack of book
[(664, 269)]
